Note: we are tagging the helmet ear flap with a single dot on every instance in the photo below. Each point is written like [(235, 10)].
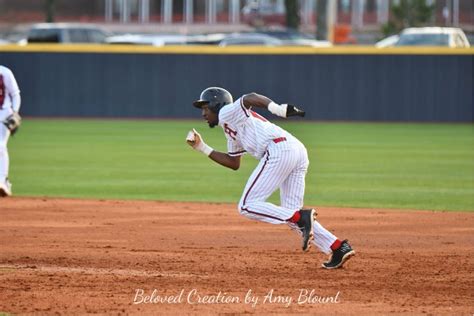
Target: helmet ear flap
[(216, 108)]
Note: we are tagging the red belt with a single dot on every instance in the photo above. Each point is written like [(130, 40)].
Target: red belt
[(279, 139)]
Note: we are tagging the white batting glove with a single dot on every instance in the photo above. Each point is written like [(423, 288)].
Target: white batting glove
[(194, 139)]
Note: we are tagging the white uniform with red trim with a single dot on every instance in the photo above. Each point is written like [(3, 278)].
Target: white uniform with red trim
[(9, 103), (283, 165)]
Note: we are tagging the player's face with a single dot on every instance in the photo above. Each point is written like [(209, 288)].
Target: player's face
[(211, 117)]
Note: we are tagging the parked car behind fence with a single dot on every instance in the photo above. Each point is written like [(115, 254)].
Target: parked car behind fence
[(66, 33)]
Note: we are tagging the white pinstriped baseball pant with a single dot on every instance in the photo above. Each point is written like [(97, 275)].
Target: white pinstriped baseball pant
[(284, 166)]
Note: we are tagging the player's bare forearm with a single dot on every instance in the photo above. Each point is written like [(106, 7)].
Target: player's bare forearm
[(225, 160), (260, 101), (194, 139)]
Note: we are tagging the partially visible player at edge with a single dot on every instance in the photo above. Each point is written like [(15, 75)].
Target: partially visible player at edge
[(283, 165), (9, 121)]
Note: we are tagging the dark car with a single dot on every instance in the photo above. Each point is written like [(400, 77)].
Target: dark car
[(291, 37), (253, 39)]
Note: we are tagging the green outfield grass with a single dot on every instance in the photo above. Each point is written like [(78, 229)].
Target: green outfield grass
[(409, 166)]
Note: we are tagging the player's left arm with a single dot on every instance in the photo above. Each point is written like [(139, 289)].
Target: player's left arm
[(16, 102), (261, 101)]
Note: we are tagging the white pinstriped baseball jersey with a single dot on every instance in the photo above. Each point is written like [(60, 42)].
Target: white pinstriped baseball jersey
[(283, 165), (8, 89), (247, 131)]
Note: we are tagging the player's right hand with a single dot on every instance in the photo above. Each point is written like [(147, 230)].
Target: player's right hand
[(194, 139)]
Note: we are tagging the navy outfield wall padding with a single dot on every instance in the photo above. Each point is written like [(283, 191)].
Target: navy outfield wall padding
[(348, 87)]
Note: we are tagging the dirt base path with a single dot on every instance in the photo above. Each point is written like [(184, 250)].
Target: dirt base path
[(82, 256)]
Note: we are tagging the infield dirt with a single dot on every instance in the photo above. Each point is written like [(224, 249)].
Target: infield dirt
[(94, 256)]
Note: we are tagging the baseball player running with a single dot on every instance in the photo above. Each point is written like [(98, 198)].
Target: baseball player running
[(9, 122), (283, 165)]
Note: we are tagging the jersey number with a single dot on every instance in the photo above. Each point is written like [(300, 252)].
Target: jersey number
[(230, 131), (2, 92)]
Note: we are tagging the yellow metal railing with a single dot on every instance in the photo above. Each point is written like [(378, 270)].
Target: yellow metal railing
[(258, 50)]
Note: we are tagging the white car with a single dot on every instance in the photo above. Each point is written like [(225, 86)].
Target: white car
[(433, 36), (148, 39), (388, 41), (66, 33)]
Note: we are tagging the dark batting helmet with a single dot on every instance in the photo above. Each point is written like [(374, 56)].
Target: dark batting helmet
[(215, 98)]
